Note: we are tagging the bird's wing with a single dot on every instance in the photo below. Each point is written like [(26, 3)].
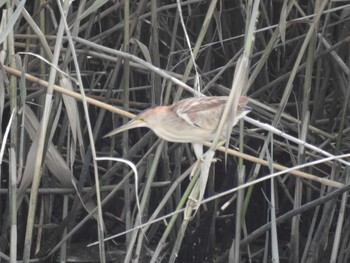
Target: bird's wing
[(203, 112)]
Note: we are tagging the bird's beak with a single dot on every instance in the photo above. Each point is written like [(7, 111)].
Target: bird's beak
[(247, 108), (130, 125)]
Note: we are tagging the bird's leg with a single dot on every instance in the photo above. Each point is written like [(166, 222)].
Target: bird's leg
[(198, 151)]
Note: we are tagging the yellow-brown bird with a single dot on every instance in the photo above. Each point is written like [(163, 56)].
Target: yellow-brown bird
[(193, 120)]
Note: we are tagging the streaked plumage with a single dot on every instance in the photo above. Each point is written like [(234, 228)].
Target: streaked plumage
[(192, 120)]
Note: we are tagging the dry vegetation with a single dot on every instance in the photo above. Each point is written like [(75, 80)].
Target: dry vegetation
[(298, 83)]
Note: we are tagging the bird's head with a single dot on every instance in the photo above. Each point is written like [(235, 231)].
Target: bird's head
[(148, 118)]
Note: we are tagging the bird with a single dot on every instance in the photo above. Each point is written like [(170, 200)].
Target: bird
[(192, 120)]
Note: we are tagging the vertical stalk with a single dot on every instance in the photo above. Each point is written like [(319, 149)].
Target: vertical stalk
[(13, 205), (126, 76), (239, 210), (14, 141), (156, 81)]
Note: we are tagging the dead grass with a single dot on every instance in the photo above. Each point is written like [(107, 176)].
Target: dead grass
[(56, 198)]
